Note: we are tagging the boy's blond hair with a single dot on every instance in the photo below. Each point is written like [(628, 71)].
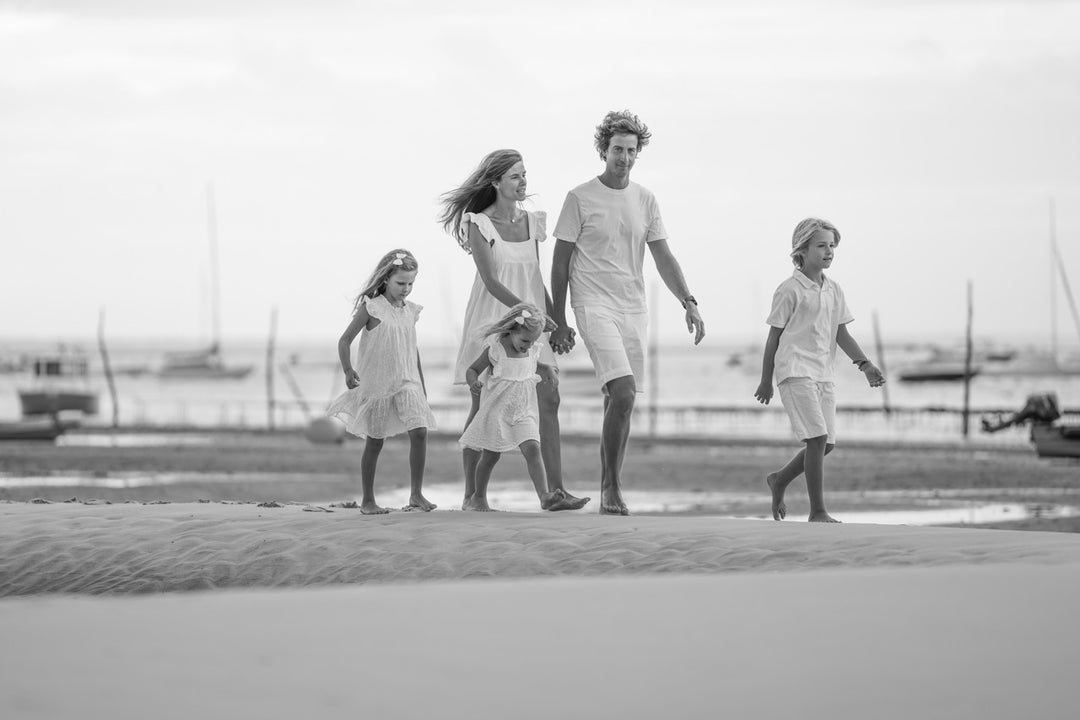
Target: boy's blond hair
[(805, 230)]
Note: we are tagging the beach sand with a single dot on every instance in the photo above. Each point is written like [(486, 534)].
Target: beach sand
[(159, 606), (302, 613)]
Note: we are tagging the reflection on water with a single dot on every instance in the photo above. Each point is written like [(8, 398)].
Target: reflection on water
[(132, 439), (944, 507), (915, 507)]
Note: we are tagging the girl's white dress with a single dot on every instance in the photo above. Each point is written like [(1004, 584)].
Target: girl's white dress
[(508, 414), (518, 268), (390, 397)]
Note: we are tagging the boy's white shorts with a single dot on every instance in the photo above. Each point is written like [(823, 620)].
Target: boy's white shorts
[(811, 406), (616, 342)]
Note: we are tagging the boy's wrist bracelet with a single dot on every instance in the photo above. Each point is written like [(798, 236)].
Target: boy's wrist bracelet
[(689, 299)]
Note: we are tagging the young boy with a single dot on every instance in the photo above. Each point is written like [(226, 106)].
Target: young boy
[(808, 320)]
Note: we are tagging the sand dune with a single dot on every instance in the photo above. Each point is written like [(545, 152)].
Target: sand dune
[(693, 617), (154, 548)]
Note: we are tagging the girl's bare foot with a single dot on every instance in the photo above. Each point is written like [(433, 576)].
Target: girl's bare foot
[(779, 509), (821, 517), (421, 503), (476, 504), (370, 508)]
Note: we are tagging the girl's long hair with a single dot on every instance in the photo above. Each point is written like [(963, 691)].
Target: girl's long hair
[(476, 193), (400, 259), (522, 315)]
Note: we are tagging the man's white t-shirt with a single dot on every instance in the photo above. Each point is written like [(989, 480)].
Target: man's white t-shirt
[(610, 229)]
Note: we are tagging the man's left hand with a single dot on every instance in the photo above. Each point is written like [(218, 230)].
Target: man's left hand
[(694, 323)]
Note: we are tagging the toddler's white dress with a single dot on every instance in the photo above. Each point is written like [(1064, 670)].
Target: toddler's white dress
[(517, 266), (508, 414), (390, 397)]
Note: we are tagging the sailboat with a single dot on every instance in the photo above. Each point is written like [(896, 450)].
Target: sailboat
[(206, 363)]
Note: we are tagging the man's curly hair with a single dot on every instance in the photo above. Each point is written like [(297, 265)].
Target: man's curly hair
[(620, 123)]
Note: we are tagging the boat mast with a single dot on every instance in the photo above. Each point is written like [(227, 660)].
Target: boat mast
[(1053, 284), (215, 282)]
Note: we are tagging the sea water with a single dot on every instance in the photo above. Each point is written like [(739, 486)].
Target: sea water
[(694, 391)]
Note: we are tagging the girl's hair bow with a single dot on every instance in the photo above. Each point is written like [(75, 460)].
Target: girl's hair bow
[(520, 319)]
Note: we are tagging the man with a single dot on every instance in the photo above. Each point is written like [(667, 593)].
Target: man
[(601, 235)]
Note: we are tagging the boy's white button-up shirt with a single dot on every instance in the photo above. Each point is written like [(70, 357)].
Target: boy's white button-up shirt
[(810, 315)]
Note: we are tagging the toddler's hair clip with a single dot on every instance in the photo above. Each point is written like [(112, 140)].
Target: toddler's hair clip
[(520, 319), (398, 257)]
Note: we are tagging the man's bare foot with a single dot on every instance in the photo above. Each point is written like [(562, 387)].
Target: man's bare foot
[(612, 504), (779, 509), (476, 504), (420, 502), (370, 508), (821, 517)]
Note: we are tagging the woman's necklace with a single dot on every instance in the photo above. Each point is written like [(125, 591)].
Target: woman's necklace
[(515, 215)]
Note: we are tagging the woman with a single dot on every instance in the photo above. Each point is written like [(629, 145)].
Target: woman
[(485, 216)]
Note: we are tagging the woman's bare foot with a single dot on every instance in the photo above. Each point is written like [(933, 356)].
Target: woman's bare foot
[(573, 502), (420, 502), (779, 509), (821, 517), (476, 504), (370, 508), (548, 500)]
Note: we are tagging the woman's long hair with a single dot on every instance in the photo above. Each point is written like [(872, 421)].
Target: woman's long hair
[(400, 259), (476, 193)]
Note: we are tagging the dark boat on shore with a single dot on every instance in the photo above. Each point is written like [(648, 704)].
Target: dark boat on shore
[(1051, 437), (35, 428)]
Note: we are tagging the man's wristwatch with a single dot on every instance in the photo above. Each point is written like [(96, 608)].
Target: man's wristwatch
[(689, 299)]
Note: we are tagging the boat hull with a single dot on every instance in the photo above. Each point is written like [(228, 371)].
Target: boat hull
[(50, 402), (1056, 440), (35, 429)]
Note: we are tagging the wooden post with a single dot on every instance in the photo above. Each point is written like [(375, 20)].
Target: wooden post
[(881, 364), (967, 365), (270, 369), (108, 368), (654, 362)]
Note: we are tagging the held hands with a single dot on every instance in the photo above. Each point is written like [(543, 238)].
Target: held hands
[(873, 375), (475, 387), (562, 339), (352, 379), (549, 324), (694, 323), (764, 392)]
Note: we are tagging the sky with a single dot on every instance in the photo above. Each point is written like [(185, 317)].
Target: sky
[(934, 135)]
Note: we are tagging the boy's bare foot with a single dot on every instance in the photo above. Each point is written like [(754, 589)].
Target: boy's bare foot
[(476, 505), (421, 503), (372, 509), (779, 509), (821, 517)]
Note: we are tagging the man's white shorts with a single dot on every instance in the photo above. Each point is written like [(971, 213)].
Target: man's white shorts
[(616, 342), (811, 406)]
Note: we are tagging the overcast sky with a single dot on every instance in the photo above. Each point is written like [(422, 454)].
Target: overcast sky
[(932, 133)]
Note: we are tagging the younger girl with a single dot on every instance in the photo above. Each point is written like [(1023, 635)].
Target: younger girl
[(386, 395), (508, 417)]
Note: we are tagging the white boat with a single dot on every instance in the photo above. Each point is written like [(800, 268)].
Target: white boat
[(59, 383), (208, 363)]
